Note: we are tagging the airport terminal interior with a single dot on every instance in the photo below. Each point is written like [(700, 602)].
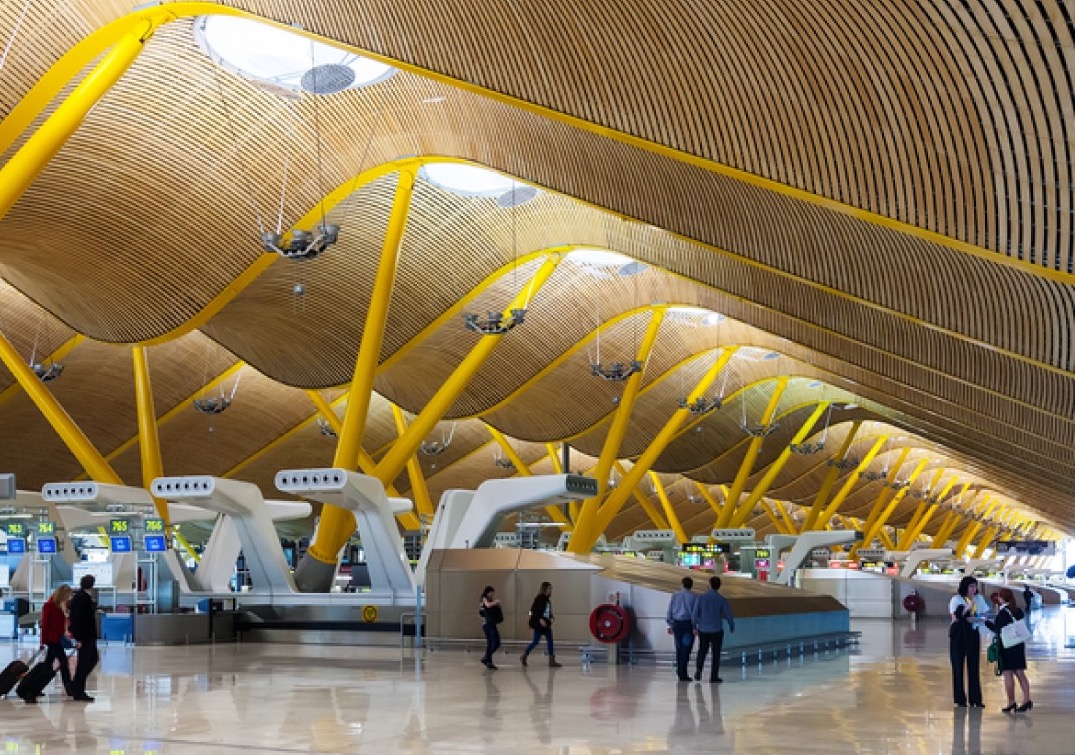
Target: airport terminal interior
[(317, 318)]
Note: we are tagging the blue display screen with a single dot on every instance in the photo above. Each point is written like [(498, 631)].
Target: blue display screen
[(46, 545), (155, 544), (16, 545), (121, 544)]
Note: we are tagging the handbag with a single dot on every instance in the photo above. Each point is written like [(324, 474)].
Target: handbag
[(1015, 633), (993, 655)]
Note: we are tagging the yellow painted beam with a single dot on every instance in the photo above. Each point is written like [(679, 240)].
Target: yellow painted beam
[(73, 437), (554, 457), (622, 417), (419, 489), (337, 524), (904, 541), (852, 478), (36, 152), (986, 508), (666, 507), (325, 410), (780, 527), (831, 476), (887, 490), (789, 525), (148, 441), (615, 500), (523, 470), (639, 495), (56, 356), (873, 528), (777, 466), (369, 349), (704, 492), (733, 504), (886, 541)]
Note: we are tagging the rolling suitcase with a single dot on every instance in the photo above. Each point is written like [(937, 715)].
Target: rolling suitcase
[(35, 681), (13, 672)]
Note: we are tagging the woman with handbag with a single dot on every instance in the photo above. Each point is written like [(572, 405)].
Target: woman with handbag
[(964, 644), (1013, 658), (493, 614)]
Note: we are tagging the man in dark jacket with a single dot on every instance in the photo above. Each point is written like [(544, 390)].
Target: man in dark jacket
[(83, 629), (711, 610)]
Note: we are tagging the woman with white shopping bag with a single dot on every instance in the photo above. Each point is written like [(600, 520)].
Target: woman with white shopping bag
[(1012, 632)]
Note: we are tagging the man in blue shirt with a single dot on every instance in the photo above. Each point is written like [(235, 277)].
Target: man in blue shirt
[(680, 626), (711, 610)]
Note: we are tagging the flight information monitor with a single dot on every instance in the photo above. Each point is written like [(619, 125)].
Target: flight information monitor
[(121, 543), (155, 544), (46, 545)]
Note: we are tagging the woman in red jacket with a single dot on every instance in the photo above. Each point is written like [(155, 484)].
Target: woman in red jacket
[(53, 628)]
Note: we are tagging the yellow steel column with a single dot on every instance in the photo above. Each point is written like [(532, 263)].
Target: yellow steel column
[(652, 512), (874, 527), (852, 478), (622, 417), (615, 500), (991, 533), (775, 468), (732, 505), (704, 492), (886, 541), (521, 468), (369, 350), (442, 401), (419, 488), (913, 533), (75, 440), (666, 506), (973, 528), (779, 506), (326, 411), (25, 165), (55, 356), (148, 439), (781, 528), (830, 479), (887, 491), (904, 541)]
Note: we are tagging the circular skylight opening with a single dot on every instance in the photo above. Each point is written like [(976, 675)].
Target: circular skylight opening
[(599, 258), (271, 55), (467, 180), (693, 315)]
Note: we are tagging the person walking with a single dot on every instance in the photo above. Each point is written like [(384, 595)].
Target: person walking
[(492, 614), (964, 644), (53, 629), (681, 626), (710, 612), (541, 618), (84, 632), (1013, 659)]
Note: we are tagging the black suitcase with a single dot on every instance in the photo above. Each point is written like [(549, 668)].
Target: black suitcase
[(35, 681), (11, 674)]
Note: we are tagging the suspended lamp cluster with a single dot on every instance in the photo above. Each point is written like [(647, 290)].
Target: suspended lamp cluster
[(46, 373), (494, 323), (325, 427), (437, 447), (301, 245), (217, 404)]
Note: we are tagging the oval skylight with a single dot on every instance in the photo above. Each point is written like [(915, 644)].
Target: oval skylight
[(268, 54), (598, 258), (468, 180)]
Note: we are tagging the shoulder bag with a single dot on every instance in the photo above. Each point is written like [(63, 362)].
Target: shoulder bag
[(1015, 633)]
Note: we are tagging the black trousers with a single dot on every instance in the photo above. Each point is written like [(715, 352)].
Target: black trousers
[(705, 640), (56, 653), (683, 634), (492, 640), (965, 650), (87, 661)]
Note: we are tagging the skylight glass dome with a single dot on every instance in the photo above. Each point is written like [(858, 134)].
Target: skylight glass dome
[(268, 54), (468, 180)]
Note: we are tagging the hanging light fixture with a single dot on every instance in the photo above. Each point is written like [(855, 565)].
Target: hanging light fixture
[(502, 461), (217, 404), (495, 323), (437, 447), (755, 430), (46, 373), (705, 404), (325, 427)]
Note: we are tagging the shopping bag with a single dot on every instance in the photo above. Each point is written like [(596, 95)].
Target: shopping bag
[(1015, 633)]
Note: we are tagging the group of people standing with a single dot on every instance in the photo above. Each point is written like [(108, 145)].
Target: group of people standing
[(73, 614), (691, 615), (968, 611)]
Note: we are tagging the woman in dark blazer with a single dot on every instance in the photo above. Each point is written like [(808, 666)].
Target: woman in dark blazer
[(541, 622), (1013, 659)]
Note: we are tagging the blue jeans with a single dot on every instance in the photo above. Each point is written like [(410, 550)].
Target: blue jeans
[(538, 632)]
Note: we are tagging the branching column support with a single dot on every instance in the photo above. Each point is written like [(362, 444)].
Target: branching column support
[(652, 511), (732, 506), (852, 478), (973, 528), (337, 524), (419, 488), (89, 457), (704, 492), (148, 440), (615, 500), (666, 506), (521, 469), (823, 493), (26, 164), (743, 512), (621, 418), (875, 527)]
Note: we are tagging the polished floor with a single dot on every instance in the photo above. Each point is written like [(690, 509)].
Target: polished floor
[(891, 694)]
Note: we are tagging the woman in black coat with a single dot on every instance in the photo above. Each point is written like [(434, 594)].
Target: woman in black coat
[(1013, 659), (541, 622)]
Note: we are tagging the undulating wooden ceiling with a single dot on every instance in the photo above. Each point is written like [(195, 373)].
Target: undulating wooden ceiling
[(876, 197)]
